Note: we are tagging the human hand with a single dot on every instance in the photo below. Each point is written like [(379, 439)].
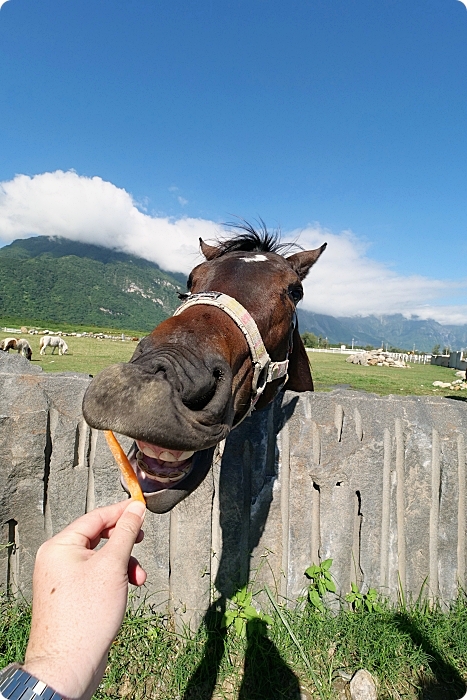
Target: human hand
[(80, 597)]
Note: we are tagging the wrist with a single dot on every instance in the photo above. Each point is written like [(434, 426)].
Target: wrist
[(17, 682), (58, 675)]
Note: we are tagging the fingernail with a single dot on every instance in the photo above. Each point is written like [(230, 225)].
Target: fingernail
[(138, 508)]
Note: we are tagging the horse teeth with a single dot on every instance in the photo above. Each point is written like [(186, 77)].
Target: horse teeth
[(165, 455), (162, 479), (149, 452)]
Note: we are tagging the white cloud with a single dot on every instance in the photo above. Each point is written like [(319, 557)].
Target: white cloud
[(91, 210), (344, 282)]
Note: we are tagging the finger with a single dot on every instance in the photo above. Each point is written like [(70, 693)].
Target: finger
[(89, 527), (106, 534), (126, 531), (136, 574)]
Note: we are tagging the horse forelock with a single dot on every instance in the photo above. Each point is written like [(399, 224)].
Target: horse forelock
[(251, 240)]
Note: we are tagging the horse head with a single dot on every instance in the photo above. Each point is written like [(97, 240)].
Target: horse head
[(229, 348)]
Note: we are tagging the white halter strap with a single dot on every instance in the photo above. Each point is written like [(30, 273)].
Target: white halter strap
[(264, 369)]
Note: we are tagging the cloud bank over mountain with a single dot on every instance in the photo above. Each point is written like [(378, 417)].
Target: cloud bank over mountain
[(344, 282)]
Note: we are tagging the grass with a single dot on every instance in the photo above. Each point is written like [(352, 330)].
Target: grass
[(89, 356), (330, 370), (413, 650), (86, 355)]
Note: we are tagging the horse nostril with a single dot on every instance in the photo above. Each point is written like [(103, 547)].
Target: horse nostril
[(197, 403)]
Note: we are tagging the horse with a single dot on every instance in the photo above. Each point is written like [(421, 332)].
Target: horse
[(8, 344), (54, 342), (24, 348), (228, 349)]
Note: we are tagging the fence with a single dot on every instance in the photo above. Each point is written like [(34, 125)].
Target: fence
[(454, 360), (377, 484), (405, 356)]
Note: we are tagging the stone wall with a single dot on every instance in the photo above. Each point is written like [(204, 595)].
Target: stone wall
[(377, 484)]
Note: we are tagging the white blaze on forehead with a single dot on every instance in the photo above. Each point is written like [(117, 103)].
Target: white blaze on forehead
[(256, 258)]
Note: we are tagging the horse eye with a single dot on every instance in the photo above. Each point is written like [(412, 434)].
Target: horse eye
[(296, 294)]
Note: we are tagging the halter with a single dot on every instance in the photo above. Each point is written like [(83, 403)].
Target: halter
[(265, 370)]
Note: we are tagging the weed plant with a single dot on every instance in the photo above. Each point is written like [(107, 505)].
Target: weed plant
[(414, 650)]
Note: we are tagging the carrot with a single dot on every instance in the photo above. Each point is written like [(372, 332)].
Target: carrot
[(125, 467)]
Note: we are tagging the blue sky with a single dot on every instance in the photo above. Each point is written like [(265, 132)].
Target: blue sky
[(146, 124)]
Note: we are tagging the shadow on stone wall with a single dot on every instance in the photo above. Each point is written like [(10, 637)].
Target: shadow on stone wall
[(245, 496)]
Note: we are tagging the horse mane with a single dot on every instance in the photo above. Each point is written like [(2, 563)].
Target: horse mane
[(252, 240)]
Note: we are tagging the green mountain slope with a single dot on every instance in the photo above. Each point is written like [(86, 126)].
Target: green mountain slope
[(57, 280)]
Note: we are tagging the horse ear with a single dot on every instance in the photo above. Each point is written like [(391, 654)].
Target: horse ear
[(299, 367), (301, 262), (209, 251)]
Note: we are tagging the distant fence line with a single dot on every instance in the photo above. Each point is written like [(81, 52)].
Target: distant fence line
[(378, 484), (405, 356)]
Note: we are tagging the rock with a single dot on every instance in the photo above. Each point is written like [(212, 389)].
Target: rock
[(456, 385), (362, 686), (375, 358)]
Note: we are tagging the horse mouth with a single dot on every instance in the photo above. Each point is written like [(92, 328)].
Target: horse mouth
[(159, 468)]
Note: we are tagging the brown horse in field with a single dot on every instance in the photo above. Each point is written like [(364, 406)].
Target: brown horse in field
[(230, 347), (8, 344)]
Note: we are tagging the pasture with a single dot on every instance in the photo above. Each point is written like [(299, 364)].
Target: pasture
[(90, 355), (85, 355), (331, 370)]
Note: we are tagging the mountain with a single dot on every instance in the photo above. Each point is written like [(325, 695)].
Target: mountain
[(53, 279), (394, 330)]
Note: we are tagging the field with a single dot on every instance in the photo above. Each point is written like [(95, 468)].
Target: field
[(330, 370), (85, 355), (89, 356)]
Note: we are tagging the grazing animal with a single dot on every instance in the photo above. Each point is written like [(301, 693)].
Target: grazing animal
[(8, 344), (54, 342), (24, 348), (229, 348)]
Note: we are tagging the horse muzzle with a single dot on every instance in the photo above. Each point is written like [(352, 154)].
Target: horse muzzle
[(175, 425)]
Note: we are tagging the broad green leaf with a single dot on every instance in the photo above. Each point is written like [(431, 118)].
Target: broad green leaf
[(250, 612), (228, 618), (240, 626)]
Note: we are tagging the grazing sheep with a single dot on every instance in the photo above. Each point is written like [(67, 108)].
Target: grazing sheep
[(53, 342)]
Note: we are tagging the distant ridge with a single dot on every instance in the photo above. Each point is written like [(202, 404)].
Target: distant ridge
[(392, 330), (52, 279)]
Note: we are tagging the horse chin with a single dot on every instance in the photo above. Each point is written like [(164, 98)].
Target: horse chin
[(167, 482)]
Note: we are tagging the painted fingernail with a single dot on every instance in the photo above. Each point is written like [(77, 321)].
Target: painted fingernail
[(138, 508)]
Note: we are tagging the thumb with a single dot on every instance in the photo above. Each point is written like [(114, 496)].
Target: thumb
[(126, 531)]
